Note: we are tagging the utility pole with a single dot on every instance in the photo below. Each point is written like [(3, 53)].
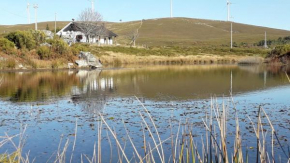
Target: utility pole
[(265, 44), (55, 24), (35, 7), (171, 14), (231, 35)]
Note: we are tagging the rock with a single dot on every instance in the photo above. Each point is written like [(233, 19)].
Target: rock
[(48, 34), (70, 65), (82, 63), (88, 60), (20, 66), (45, 44)]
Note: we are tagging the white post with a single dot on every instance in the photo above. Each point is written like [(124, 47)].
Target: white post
[(171, 14), (35, 7), (265, 45), (231, 35), (55, 24)]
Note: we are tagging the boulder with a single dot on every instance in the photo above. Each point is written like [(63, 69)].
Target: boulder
[(88, 60), (82, 63)]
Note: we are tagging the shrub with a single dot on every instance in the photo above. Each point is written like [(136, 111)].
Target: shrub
[(6, 45), (59, 46), (77, 48), (280, 50), (10, 63), (55, 65), (26, 39), (44, 52), (39, 37), (22, 39)]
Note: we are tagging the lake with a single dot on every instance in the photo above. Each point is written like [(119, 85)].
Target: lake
[(59, 108)]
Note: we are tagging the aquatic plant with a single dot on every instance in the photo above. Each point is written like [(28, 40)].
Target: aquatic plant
[(211, 147)]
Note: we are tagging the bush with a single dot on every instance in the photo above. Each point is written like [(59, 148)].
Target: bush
[(10, 63), (39, 37), (55, 65), (44, 52), (59, 46), (6, 45), (22, 39), (280, 50), (26, 39), (77, 48)]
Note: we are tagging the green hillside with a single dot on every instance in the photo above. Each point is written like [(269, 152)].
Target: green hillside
[(187, 31), (177, 31)]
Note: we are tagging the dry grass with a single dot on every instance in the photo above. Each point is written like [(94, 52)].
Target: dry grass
[(124, 59), (287, 77)]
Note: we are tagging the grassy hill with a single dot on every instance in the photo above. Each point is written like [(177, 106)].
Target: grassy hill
[(187, 31), (177, 31)]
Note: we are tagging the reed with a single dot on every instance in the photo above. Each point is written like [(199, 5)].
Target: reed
[(213, 147), (287, 77)]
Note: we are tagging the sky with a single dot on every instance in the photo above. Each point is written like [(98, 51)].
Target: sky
[(268, 13)]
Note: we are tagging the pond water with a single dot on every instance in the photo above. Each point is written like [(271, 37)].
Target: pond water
[(50, 104)]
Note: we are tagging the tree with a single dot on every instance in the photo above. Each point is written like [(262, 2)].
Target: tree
[(135, 34), (91, 23), (47, 27)]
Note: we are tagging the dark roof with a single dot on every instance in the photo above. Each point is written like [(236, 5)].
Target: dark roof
[(98, 30)]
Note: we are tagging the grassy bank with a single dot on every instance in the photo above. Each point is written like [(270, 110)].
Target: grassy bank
[(176, 55), (45, 58)]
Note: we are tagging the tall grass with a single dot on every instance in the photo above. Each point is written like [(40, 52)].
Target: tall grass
[(212, 147), (287, 77)]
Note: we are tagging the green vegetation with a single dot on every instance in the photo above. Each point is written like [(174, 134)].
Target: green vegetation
[(6, 45), (280, 50), (10, 63), (76, 48), (26, 39), (275, 42), (59, 46), (157, 37), (32, 47), (47, 27), (177, 51), (192, 32), (44, 52)]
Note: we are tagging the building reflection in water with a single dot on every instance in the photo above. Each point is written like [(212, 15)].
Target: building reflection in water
[(92, 95)]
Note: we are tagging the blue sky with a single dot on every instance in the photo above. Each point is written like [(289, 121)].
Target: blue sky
[(269, 13)]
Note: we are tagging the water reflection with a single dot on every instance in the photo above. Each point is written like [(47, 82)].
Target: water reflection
[(36, 86), (157, 82)]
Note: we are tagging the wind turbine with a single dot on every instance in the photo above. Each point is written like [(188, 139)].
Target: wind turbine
[(35, 6), (93, 5), (28, 12), (229, 9)]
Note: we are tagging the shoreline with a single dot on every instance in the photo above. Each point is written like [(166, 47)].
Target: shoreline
[(111, 59)]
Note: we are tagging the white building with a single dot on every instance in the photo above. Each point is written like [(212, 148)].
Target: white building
[(76, 32)]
